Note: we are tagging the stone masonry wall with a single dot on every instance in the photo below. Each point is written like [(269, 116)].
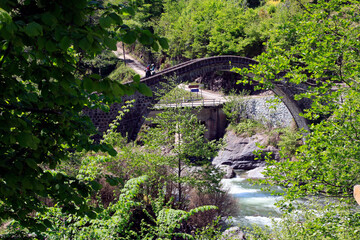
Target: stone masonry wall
[(268, 113)]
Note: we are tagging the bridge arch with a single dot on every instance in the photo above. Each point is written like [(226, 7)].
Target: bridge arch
[(133, 120)]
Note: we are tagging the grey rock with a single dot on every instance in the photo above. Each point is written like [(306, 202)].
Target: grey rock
[(229, 171), (233, 233), (240, 152), (255, 173)]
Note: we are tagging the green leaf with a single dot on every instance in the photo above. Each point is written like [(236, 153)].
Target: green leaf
[(80, 4), (41, 42), (117, 19), (65, 43), (163, 43), (88, 84), (4, 16), (79, 19), (110, 43), (47, 223), (129, 37), (128, 11), (27, 184), (84, 44), (91, 214), (33, 29), (28, 140), (145, 90), (136, 78), (49, 19), (95, 76), (95, 185), (112, 152), (50, 46), (31, 163), (146, 39), (11, 28), (105, 22), (117, 89), (129, 90), (113, 181), (155, 46)]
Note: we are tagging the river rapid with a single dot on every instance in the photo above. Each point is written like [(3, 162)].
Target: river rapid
[(255, 206)]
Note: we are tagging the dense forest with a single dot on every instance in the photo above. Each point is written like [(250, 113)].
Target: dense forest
[(56, 60)]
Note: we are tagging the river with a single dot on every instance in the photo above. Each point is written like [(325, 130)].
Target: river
[(255, 206)]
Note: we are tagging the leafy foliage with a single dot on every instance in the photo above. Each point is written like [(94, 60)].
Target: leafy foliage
[(207, 28), (235, 106), (328, 160), (102, 64), (44, 90), (319, 49), (117, 220), (177, 133), (325, 220), (122, 73)]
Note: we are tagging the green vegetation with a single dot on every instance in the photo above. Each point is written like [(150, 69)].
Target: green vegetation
[(56, 183), (103, 64), (44, 90), (324, 220), (287, 139), (319, 46), (161, 186), (122, 73), (200, 28), (249, 127)]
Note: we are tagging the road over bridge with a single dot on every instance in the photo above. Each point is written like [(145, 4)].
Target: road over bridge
[(186, 72)]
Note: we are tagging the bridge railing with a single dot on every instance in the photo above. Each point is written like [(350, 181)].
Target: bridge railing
[(191, 103)]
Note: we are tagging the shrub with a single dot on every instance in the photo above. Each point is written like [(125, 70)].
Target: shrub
[(103, 64), (122, 73), (249, 127), (226, 207), (317, 219)]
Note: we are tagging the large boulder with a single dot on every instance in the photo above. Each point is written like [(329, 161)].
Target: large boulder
[(240, 152)]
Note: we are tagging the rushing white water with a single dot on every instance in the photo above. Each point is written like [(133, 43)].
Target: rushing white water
[(255, 206)]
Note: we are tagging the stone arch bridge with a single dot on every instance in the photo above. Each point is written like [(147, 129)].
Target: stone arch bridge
[(187, 71)]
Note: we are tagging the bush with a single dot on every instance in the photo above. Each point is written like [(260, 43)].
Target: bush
[(226, 207), (122, 73), (248, 127), (313, 220), (286, 139), (103, 64)]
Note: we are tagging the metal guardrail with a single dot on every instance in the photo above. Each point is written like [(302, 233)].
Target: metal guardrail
[(191, 103)]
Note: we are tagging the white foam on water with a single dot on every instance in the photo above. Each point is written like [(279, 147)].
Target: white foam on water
[(233, 187), (261, 221), (255, 206)]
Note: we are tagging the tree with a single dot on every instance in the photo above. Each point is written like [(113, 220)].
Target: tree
[(323, 52), (44, 90), (319, 48), (178, 134)]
